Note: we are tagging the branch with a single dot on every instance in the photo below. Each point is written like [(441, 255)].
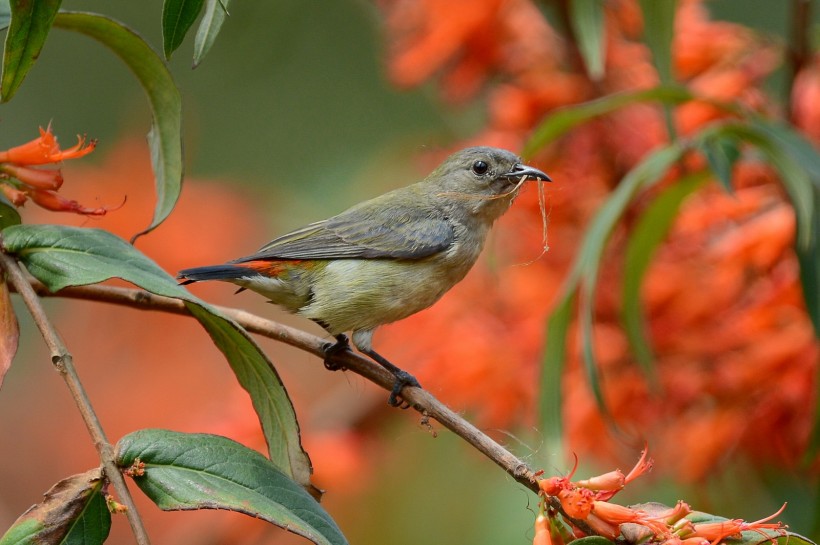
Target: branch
[(63, 362), (420, 399)]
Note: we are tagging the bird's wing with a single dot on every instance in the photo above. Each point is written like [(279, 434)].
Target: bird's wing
[(371, 230)]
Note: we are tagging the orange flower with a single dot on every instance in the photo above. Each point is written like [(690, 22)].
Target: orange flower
[(577, 502), (616, 515), (34, 177), (41, 184), (45, 150), (718, 531), (542, 531)]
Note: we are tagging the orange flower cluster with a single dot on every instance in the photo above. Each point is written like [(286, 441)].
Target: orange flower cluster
[(588, 501), (722, 297), (20, 182)]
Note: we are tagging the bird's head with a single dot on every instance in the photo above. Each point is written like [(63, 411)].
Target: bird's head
[(484, 180)]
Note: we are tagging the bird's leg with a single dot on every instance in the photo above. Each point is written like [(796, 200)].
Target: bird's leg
[(331, 349), (362, 341), (403, 378)]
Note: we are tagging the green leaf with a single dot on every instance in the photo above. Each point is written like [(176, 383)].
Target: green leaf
[(659, 30), (648, 233), (73, 512), (209, 27), (270, 400), (799, 165), (165, 136), (587, 19), (30, 24), (62, 256), (584, 273), (8, 213), (200, 471), (177, 18), (562, 120), (796, 145), (722, 154), (552, 369)]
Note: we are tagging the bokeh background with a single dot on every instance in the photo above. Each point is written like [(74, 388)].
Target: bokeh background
[(304, 108)]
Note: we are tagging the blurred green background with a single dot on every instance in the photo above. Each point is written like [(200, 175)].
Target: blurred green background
[(292, 97)]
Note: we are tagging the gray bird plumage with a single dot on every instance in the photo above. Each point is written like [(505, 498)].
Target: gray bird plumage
[(386, 258)]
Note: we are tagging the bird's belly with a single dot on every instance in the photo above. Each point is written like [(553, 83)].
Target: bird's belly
[(363, 294)]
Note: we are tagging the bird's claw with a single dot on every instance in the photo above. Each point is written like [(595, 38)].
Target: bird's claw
[(333, 349), (403, 378)]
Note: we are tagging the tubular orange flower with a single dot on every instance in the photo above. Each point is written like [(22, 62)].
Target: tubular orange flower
[(618, 514), (577, 502), (34, 177), (45, 149), (41, 184), (542, 531), (13, 194), (602, 527), (609, 481), (50, 200), (674, 514), (643, 465), (718, 531)]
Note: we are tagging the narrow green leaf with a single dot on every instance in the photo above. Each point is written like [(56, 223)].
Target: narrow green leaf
[(552, 367), (8, 213), (270, 400), (165, 136), (209, 27), (722, 154), (587, 19), (562, 120), (584, 273), (796, 145), (648, 233), (73, 512), (799, 165), (659, 29), (9, 330), (30, 24), (200, 471), (62, 256), (177, 18)]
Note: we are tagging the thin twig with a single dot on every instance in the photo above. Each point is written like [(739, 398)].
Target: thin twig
[(63, 362), (421, 400)]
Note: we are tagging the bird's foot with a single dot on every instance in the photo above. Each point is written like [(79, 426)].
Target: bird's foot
[(333, 349), (403, 378)]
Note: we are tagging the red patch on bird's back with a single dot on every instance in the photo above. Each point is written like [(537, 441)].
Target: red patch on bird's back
[(277, 267)]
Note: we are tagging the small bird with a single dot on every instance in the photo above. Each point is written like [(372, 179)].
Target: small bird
[(386, 258)]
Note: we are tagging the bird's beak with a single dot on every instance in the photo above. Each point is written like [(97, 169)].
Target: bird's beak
[(520, 171)]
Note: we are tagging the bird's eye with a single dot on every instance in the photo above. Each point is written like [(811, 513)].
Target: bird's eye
[(480, 167)]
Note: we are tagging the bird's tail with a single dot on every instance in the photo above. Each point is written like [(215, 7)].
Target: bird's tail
[(226, 272)]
